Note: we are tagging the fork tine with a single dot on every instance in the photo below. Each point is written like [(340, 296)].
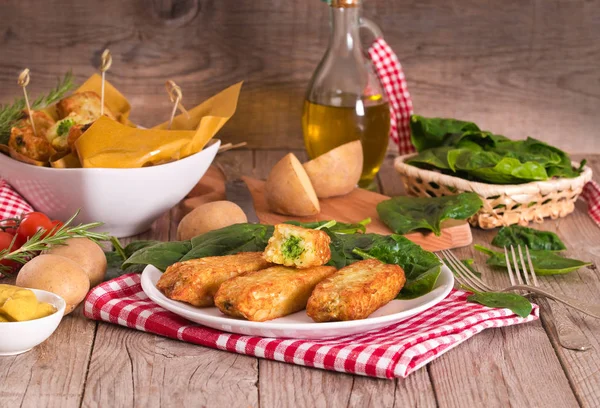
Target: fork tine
[(468, 272), (533, 276), (471, 280), (516, 265), (524, 268), (510, 272)]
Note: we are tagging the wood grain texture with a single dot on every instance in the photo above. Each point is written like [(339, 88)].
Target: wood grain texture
[(133, 368), (517, 67), (496, 368)]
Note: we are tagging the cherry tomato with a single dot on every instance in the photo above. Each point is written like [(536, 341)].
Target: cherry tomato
[(9, 226), (55, 226), (32, 223), (5, 240)]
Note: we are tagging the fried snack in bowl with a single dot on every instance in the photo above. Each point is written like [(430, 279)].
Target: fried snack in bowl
[(292, 245), (86, 105), (269, 293), (355, 291), (33, 145), (196, 281)]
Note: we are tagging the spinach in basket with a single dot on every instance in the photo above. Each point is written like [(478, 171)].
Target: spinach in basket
[(348, 245), (461, 149), (404, 214)]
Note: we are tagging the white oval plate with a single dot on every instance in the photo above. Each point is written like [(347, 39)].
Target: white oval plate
[(298, 325)]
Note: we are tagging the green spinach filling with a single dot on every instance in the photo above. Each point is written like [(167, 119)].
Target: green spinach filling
[(292, 247)]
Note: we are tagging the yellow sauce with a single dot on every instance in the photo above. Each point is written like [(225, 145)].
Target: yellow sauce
[(19, 305)]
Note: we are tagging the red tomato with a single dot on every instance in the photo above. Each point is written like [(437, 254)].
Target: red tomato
[(32, 223), (5, 241), (56, 225), (9, 226)]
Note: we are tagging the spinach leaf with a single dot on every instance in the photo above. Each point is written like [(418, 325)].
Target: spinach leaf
[(160, 255), (533, 239), (436, 157), (421, 267), (339, 227), (518, 304), (511, 171), (230, 240), (544, 262), (404, 214), (430, 132)]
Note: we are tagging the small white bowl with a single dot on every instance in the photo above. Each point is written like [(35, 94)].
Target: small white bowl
[(127, 201), (19, 337)]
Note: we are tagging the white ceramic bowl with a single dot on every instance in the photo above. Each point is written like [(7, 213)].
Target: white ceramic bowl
[(127, 201), (19, 337)]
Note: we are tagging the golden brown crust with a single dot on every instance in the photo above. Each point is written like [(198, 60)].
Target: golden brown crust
[(27, 143), (355, 291), (84, 104), (196, 281), (271, 293), (313, 247)]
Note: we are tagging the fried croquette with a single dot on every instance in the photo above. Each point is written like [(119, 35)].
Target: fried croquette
[(291, 245), (83, 104), (271, 293), (355, 291), (196, 281), (24, 141)]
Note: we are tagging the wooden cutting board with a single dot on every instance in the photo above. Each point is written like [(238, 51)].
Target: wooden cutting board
[(357, 206)]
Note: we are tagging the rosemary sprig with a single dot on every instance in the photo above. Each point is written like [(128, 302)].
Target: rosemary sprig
[(10, 114), (38, 243)]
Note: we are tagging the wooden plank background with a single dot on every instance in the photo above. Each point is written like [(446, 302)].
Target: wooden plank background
[(517, 67)]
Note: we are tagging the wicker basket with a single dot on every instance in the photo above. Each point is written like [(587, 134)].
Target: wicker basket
[(502, 204)]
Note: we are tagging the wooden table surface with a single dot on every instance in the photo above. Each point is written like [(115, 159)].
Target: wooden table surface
[(87, 363)]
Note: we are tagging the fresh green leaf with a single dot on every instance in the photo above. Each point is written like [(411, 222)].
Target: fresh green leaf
[(339, 227), (544, 262), (518, 304), (404, 214), (160, 255), (436, 157), (528, 237), (430, 132)]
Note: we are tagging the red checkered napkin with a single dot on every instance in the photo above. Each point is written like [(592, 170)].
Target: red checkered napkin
[(392, 77), (11, 203), (591, 194), (395, 351)]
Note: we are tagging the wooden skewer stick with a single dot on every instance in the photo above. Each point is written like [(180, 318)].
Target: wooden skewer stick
[(175, 96), (23, 81), (229, 146), (106, 62)]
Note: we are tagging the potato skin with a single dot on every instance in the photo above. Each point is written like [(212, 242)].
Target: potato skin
[(209, 217), (355, 291), (271, 293), (336, 172), (315, 244), (58, 275), (196, 281), (87, 254)]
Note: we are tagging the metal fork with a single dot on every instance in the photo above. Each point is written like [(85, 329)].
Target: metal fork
[(467, 278), (567, 333)]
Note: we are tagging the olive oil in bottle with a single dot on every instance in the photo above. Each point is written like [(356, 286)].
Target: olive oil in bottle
[(344, 100), (327, 127)]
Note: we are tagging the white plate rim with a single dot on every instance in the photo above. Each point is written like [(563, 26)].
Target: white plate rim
[(444, 285)]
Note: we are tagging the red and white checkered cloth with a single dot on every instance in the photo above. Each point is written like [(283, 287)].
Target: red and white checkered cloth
[(591, 194), (392, 77), (395, 351), (11, 203)]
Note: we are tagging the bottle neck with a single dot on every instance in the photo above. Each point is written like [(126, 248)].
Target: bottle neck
[(345, 35)]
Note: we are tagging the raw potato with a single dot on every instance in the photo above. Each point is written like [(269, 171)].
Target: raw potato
[(85, 253), (288, 189), (336, 172), (208, 217), (58, 275)]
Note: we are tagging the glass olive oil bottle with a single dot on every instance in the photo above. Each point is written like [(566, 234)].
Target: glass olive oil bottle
[(345, 100)]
